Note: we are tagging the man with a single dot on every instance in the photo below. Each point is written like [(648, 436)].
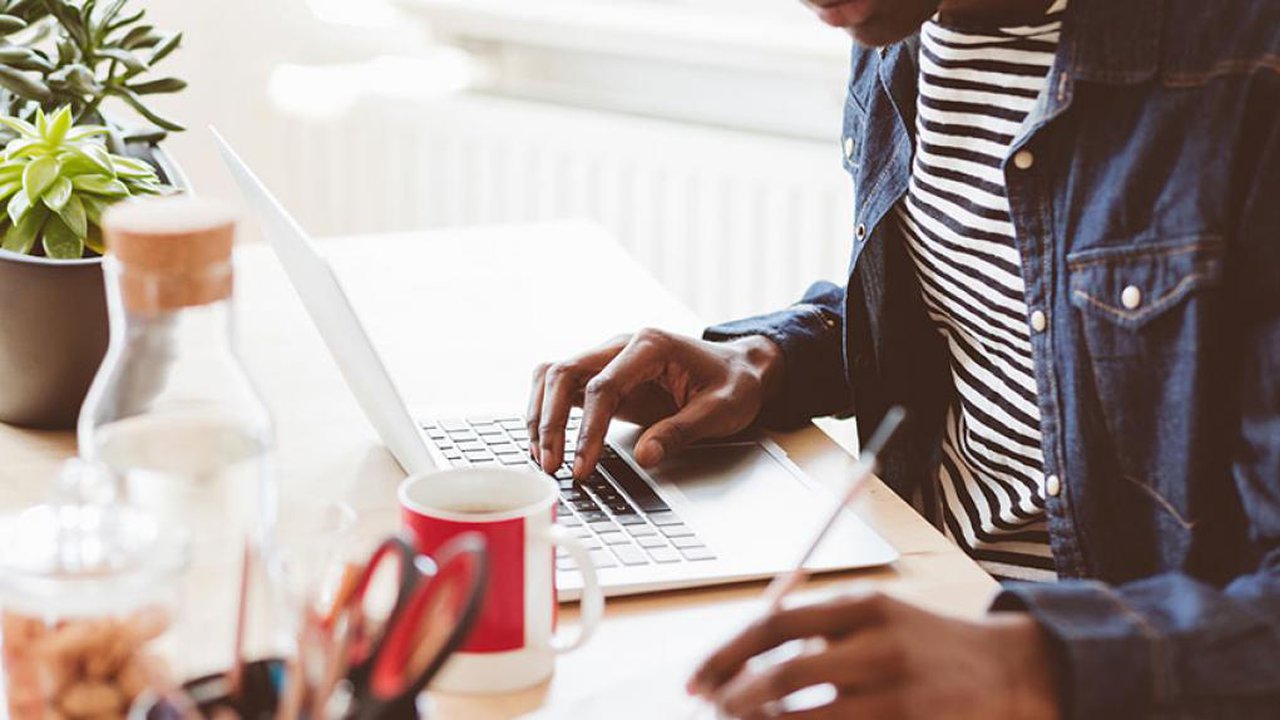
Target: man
[(1066, 266)]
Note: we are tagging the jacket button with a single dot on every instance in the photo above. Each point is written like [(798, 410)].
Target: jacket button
[(1131, 297), (1023, 160), (861, 231), (1038, 321), (848, 148), (1052, 485)]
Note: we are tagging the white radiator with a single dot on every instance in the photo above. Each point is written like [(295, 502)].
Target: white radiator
[(734, 223)]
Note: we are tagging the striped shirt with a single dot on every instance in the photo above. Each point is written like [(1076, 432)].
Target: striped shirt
[(976, 88)]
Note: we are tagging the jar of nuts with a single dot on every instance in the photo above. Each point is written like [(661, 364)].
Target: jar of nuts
[(88, 592)]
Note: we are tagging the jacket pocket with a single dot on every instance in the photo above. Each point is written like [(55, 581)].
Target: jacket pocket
[(1147, 299)]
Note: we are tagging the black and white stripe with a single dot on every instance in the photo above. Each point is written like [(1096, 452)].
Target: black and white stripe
[(976, 88)]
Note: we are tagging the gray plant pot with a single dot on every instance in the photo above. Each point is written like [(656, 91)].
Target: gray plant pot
[(53, 327)]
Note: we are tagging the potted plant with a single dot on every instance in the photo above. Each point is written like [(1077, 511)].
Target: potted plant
[(63, 162)]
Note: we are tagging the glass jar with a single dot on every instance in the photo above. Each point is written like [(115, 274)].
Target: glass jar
[(90, 592), (173, 414)]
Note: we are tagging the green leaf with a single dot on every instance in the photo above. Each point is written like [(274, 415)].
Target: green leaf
[(136, 103), (163, 85), (23, 86), (9, 53), (8, 189), (126, 20), (18, 206), (77, 77), (100, 185), (58, 126), (134, 35), (94, 207), (22, 235), (132, 168), (11, 24), (73, 214), (62, 242), (24, 147), (93, 240), (84, 132), (69, 19), (166, 46), (58, 194), (110, 11), (20, 126), (126, 58), (39, 175), (97, 156)]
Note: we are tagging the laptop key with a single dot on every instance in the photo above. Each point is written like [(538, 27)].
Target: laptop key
[(593, 516), (585, 505), (687, 542), (673, 531), (664, 554), (630, 555), (451, 425), (698, 554), (604, 526), (628, 519), (651, 541), (476, 456), (614, 538), (664, 518), (568, 520), (641, 530), (602, 558), (565, 564), (513, 424)]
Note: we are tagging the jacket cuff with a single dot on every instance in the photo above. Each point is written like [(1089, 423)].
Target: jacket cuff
[(809, 338), (1109, 657)]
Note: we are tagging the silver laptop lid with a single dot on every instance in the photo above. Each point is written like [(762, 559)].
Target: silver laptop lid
[(331, 311)]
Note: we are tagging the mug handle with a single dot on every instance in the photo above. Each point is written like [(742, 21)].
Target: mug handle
[(591, 604)]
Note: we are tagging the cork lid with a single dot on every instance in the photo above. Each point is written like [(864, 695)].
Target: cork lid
[(173, 251)]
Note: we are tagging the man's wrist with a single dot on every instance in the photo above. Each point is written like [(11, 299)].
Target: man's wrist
[(765, 357)]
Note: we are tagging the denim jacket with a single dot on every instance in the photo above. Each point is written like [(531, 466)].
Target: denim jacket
[(1152, 162)]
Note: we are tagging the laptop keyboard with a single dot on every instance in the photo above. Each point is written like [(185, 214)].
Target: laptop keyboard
[(614, 512)]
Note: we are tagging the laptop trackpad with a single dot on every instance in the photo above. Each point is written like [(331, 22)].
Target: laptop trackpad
[(724, 474)]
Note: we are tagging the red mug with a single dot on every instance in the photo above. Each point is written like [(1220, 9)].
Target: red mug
[(514, 643)]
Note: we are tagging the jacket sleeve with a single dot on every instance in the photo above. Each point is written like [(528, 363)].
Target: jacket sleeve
[(810, 334), (1170, 645)]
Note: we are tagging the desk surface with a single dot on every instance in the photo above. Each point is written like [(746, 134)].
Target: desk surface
[(479, 307)]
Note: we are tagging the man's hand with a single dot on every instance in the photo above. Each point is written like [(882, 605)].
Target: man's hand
[(683, 389), (887, 659)]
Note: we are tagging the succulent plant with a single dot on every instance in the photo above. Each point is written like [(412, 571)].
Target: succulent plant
[(56, 179), (79, 53)]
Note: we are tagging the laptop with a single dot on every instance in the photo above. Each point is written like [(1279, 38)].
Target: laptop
[(720, 512)]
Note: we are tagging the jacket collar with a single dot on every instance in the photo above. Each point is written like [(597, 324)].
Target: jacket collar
[(1112, 41)]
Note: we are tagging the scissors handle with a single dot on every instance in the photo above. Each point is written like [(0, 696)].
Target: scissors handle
[(442, 610)]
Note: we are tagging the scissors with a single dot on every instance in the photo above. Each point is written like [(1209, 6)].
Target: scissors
[(380, 668)]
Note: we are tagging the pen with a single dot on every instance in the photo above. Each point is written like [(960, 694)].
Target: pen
[(868, 460), (867, 463)]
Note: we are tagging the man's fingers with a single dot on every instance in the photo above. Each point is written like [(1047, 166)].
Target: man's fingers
[(533, 415), (640, 361), (829, 619), (555, 390), (863, 660), (670, 435), (882, 705), (560, 389)]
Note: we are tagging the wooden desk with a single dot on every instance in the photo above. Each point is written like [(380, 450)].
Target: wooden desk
[(461, 317)]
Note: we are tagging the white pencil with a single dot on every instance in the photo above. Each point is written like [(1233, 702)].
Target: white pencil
[(867, 463)]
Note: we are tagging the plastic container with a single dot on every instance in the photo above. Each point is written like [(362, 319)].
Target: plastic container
[(89, 592)]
